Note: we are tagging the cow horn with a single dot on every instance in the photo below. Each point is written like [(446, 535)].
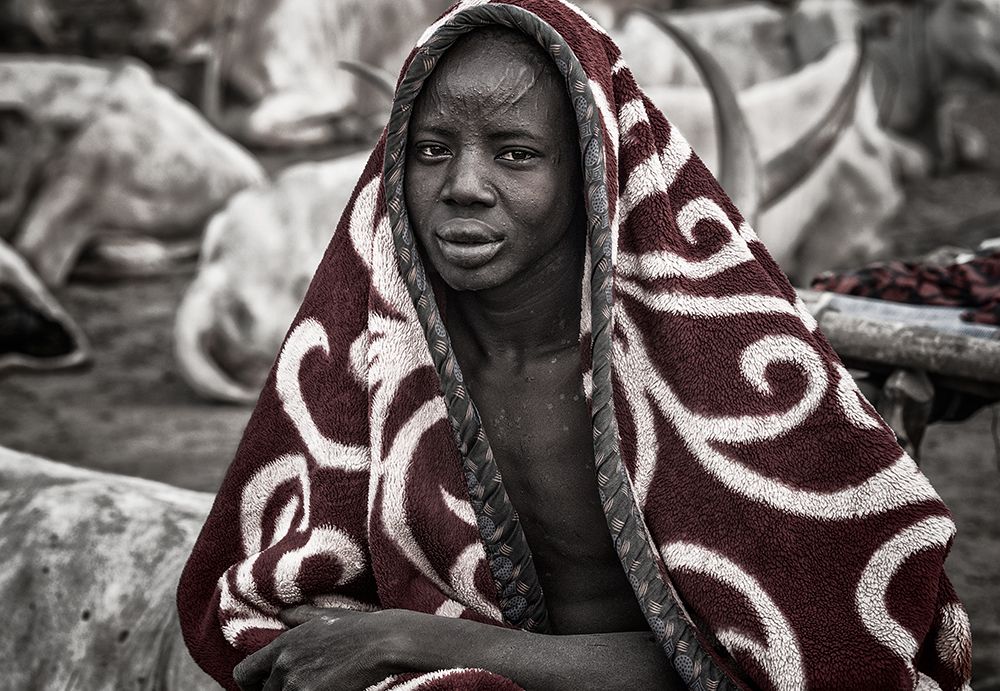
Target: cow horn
[(68, 345), (739, 166), (192, 325), (377, 76), (214, 68), (788, 168)]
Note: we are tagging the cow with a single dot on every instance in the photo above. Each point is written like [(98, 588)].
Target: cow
[(748, 40), (35, 331), (132, 159), (90, 569), (280, 59), (257, 258), (832, 217), (929, 46), (919, 50)]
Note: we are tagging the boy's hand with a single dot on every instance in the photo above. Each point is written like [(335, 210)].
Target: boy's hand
[(326, 648)]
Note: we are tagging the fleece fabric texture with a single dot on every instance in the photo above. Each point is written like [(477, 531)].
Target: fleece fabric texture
[(775, 534)]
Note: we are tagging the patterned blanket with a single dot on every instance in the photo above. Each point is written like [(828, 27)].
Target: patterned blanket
[(774, 533)]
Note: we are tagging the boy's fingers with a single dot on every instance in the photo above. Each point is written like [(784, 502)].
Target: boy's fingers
[(256, 668), (293, 616)]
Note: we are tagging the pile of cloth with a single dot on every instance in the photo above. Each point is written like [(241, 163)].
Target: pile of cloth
[(971, 282)]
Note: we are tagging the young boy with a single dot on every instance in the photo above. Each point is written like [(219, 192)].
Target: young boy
[(551, 418)]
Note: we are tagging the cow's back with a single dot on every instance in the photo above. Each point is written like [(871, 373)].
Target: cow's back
[(91, 563)]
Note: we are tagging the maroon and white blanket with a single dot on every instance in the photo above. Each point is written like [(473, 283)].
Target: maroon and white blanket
[(740, 468)]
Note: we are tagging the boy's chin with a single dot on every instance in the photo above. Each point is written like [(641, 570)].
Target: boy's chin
[(482, 278)]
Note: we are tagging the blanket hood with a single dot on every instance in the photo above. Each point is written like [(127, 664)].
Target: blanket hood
[(667, 245)]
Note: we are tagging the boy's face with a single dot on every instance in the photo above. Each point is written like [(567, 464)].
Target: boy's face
[(492, 165)]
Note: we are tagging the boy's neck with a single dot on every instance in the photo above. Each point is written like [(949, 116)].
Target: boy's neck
[(531, 316)]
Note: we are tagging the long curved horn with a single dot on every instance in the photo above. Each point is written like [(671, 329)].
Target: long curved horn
[(739, 164), (788, 168), (380, 78), (193, 323), (32, 293), (214, 71)]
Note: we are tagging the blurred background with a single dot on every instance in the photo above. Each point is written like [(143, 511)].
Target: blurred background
[(172, 170)]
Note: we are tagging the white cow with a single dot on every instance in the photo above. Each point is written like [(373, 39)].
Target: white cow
[(87, 582), (749, 41), (930, 45), (281, 57), (926, 46), (134, 158), (258, 256), (832, 218)]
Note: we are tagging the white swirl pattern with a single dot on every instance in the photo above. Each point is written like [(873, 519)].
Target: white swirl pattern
[(897, 485), (667, 264), (780, 656), (323, 540), (257, 493), (870, 596), (307, 335), (260, 490)]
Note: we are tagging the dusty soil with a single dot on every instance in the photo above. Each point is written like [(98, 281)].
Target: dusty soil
[(130, 412)]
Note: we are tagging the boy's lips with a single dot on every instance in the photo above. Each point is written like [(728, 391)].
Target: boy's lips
[(468, 243)]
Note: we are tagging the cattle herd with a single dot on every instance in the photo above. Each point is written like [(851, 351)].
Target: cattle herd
[(130, 152)]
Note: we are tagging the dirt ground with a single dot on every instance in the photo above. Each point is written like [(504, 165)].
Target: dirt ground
[(130, 412)]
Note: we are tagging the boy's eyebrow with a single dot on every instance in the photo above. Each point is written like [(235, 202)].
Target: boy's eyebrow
[(516, 133), (500, 134), (440, 130)]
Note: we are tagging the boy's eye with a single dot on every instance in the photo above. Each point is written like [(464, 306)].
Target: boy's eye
[(431, 150), (517, 155)]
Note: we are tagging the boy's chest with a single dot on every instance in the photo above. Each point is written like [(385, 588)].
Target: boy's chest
[(540, 431)]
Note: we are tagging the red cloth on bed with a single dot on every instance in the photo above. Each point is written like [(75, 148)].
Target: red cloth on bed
[(974, 284)]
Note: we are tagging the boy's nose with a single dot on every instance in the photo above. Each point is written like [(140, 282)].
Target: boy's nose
[(468, 182)]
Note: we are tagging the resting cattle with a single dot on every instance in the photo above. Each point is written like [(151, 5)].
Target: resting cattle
[(833, 216), (132, 159), (281, 59), (929, 45), (747, 40), (924, 47), (90, 568)]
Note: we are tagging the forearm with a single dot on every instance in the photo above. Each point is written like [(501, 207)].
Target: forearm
[(536, 661)]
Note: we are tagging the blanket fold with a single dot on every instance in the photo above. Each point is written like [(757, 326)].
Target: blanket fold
[(774, 533)]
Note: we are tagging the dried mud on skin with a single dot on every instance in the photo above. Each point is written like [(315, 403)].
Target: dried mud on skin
[(130, 412)]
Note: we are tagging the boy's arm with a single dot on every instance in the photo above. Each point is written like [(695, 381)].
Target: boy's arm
[(329, 648)]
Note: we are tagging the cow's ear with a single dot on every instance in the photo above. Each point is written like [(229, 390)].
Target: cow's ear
[(35, 331)]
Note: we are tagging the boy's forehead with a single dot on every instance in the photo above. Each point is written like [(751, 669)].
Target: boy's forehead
[(497, 44), (500, 73)]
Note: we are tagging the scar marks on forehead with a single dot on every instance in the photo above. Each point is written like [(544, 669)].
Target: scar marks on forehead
[(498, 89), (489, 70)]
